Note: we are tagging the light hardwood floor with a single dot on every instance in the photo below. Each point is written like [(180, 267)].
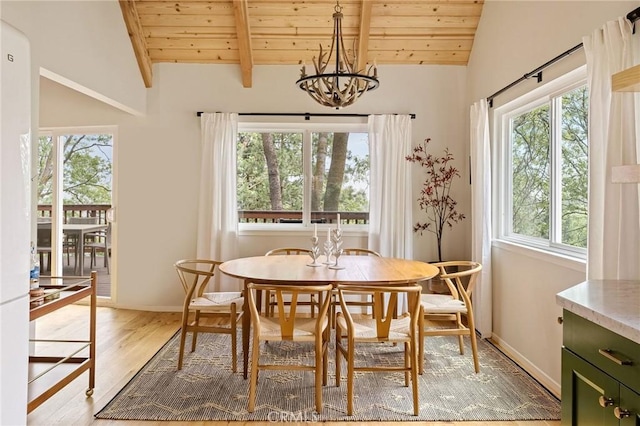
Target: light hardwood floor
[(126, 340)]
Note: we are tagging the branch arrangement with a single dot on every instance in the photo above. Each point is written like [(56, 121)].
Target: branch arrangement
[(435, 196)]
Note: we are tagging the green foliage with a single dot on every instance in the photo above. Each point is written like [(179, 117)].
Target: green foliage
[(575, 167), (354, 200), (87, 169), (354, 192), (530, 146), (253, 191), (252, 172), (531, 141)]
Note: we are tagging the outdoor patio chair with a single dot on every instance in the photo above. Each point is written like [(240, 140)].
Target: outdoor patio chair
[(44, 248), (100, 242), (70, 241)]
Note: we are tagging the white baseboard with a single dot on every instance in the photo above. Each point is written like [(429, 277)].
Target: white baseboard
[(108, 303), (522, 361), (150, 308)]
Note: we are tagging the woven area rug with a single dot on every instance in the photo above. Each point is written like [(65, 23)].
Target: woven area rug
[(206, 389)]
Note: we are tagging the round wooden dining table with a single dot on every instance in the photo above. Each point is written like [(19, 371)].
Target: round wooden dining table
[(295, 270)]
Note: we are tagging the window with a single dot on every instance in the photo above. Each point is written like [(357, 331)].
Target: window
[(86, 170), (304, 175), (544, 166)]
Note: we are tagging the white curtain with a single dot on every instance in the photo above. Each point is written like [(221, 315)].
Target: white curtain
[(390, 206), (390, 203), (217, 210), (481, 214), (614, 229)]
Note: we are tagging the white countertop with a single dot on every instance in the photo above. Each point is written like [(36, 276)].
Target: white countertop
[(612, 304)]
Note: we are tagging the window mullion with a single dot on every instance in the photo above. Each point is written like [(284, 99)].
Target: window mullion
[(555, 209), (307, 173), (507, 184)]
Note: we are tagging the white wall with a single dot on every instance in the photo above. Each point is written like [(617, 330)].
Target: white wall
[(514, 38), (158, 161), (84, 44)]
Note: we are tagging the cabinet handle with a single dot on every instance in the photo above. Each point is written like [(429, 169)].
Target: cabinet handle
[(605, 402), (621, 413), (608, 353), (560, 320)]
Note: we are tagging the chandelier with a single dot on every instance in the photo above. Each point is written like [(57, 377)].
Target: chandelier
[(347, 82)]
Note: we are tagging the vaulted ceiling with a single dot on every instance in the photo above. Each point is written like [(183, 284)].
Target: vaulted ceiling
[(280, 32)]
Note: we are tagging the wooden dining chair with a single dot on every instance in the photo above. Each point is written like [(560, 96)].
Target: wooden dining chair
[(385, 327), (353, 251), (270, 302), (436, 309), (363, 301), (195, 275), (287, 325)]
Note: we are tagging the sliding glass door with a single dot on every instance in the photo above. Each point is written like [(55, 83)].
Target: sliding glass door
[(74, 195)]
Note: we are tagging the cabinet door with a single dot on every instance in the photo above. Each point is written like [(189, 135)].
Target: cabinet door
[(629, 405), (588, 395)]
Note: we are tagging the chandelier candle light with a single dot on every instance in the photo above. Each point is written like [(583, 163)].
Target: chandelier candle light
[(336, 239), (347, 82), (328, 248), (315, 250)]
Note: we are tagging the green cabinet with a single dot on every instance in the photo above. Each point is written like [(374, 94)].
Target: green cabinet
[(600, 376), (630, 402)]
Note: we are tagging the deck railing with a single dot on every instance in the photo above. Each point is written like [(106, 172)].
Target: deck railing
[(271, 216), (77, 210), (244, 216)]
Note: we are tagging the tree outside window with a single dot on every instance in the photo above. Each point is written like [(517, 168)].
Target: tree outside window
[(271, 170), (87, 170), (549, 170)]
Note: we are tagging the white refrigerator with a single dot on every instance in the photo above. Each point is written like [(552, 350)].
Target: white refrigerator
[(15, 219)]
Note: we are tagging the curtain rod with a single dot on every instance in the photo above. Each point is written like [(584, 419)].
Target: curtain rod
[(306, 115), (632, 16)]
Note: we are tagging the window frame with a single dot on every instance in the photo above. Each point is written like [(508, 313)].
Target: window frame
[(503, 177), (306, 129)]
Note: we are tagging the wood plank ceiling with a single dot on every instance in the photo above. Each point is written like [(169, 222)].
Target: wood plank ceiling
[(279, 32)]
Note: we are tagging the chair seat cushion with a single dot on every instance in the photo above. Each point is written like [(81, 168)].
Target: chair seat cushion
[(441, 303), (365, 329), (304, 329), (218, 301)]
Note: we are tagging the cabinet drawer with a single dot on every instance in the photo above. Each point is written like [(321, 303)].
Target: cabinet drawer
[(616, 355)]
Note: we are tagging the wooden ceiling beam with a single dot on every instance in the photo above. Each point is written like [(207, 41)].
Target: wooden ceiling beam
[(134, 28), (249, 33), (363, 35), (241, 12)]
